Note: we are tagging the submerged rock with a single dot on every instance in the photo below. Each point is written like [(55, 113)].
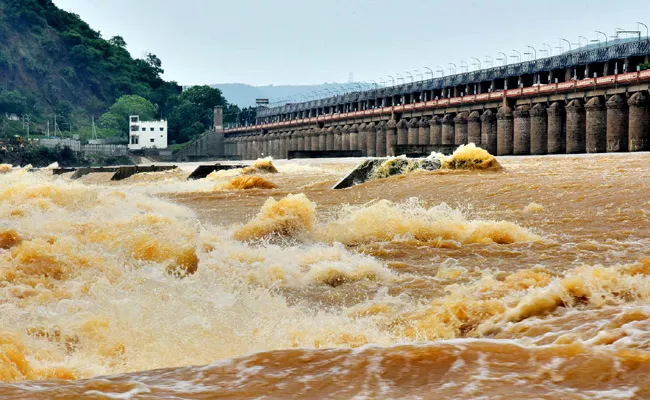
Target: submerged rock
[(381, 168), (466, 157), (360, 174)]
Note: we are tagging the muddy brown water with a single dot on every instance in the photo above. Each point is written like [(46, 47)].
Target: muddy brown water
[(528, 282)]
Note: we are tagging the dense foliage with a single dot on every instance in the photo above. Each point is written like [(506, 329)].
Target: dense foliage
[(53, 63)]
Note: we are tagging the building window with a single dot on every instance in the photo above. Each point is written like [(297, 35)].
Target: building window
[(135, 139), (162, 129), (134, 119), (152, 139), (135, 128), (151, 129), (161, 135)]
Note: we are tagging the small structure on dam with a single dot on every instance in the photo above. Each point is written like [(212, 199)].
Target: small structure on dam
[(585, 100)]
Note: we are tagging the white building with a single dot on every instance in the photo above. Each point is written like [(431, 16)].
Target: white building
[(147, 134)]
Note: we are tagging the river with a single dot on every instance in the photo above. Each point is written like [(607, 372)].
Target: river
[(530, 281)]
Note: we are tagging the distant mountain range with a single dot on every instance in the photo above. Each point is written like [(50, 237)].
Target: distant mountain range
[(244, 95)]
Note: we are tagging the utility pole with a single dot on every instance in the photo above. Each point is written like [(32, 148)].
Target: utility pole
[(94, 129)]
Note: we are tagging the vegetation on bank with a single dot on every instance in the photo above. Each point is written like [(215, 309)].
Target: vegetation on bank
[(53, 64)]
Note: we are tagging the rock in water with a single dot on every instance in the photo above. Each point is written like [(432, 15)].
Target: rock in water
[(380, 168), (360, 174)]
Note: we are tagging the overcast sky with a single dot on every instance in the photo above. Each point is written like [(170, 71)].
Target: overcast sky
[(309, 42)]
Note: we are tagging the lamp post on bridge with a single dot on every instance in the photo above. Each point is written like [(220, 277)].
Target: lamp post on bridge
[(504, 59), (454, 65), (564, 40), (604, 34), (400, 77), (550, 49), (489, 60), (647, 33), (518, 55), (478, 62), (430, 71), (580, 43), (392, 80), (534, 51), (417, 72), (409, 75), (463, 64), (441, 70)]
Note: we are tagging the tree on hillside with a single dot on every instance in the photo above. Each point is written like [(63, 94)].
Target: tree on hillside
[(231, 113), (117, 116), (247, 115), (12, 102), (185, 122), (205, 97), (155, 64), (191, 113), (118, 41)]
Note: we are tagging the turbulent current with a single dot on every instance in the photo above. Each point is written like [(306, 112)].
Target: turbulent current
[(526, 281)]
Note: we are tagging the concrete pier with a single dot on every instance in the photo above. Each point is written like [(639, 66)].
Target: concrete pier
[(391, 136), (361, 138), (264, 145), (306, 139), (381, 139), (617, 124), (345, 140), (575, 127), (474, 128), (538, 129), (314, 139), (521, 137), (435, 130), (596, 139), (402, 132), (321, 137), (638, 122), (287, 142), (300, 140), (354, 137), (413, 132), (337, 138), (489, 131), (329, 138), (371, 140), (556, 135), (460, 131), (505, 131), (423, 131), (447, 129)]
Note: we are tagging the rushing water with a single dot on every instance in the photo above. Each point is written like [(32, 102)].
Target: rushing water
[(527, 282)]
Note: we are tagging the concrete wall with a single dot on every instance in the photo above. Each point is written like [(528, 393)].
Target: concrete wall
[(212, 144)]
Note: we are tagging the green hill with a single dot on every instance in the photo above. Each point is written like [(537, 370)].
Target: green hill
[(52, 64), (52, 61)]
